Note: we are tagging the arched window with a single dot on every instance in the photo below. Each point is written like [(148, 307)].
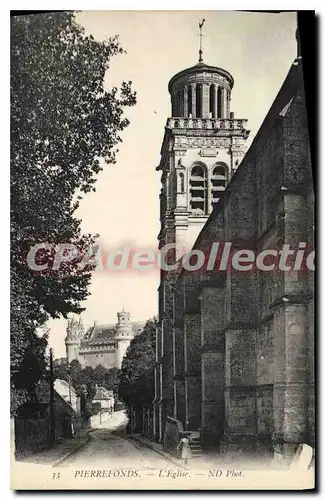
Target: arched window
[(176, 124), (212, 99), (181, 183), (198, 100), (189, 100), (198, 190), (212, 124), (219, 100), (219, 170), (219, 180), (204, 124), (197, 171)]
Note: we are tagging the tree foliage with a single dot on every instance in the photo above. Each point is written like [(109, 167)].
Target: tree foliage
[(63, 121), (85, 380), (61, 369), (136, 377)]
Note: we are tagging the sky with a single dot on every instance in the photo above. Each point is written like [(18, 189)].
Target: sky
[(256, 48)]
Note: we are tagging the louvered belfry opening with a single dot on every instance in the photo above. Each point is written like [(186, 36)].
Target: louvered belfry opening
[(218, 182), (198, 190)]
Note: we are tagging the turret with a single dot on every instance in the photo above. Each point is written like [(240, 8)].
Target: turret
[(123, 336), (75, 332)]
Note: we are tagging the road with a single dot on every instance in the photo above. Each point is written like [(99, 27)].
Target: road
[(109, 447)]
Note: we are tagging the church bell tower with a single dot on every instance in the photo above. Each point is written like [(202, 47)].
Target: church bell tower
[(203, 146)]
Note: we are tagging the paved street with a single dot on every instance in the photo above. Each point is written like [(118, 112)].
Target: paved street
[(109, 447)]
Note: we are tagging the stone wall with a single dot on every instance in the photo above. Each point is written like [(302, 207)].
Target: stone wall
[(249, 335), (172, 435), (93, 359)]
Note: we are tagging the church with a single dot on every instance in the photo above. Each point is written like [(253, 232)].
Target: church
[(235, 350), (104, 345)]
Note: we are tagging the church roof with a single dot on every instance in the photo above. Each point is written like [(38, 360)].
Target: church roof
[(201, 67), (100, 334)]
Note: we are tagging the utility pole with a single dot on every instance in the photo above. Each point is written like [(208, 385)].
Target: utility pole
[(100, 399), (69, 382), (52, 412)]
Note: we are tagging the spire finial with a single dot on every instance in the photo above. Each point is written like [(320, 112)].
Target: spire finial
[(201, 51)]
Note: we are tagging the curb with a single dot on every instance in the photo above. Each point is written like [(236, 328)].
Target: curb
[(160, 452), (78, 447)]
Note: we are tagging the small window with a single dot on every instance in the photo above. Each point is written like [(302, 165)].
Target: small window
[(176, 125), (181, 183)]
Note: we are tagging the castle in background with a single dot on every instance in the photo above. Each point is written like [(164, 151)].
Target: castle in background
[(104, 345)]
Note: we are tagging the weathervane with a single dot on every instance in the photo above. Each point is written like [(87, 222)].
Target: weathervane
[(201, 51)]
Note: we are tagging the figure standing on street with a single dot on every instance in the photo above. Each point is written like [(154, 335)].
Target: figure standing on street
[(185, 448)]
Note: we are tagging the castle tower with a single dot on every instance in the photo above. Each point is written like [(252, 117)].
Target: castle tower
[(202, 147), (123, 336), (75, 332)]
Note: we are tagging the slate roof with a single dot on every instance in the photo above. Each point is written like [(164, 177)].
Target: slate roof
[(201, 67), (101, 334), (103, 394)]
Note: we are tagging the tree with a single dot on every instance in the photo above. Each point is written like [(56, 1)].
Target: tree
[(136, 377), (105, 377), (61, 369), (85, 380), (63, 122), (28, 366)]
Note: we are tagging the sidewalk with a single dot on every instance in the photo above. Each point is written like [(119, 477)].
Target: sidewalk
[(158, 448), (209, 461), (60, 451)]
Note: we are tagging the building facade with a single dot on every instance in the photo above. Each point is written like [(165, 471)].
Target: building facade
[(235, 350), (202, 147), (104, 345)]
